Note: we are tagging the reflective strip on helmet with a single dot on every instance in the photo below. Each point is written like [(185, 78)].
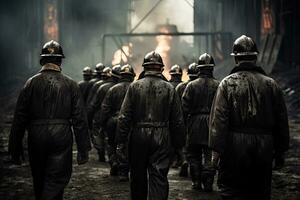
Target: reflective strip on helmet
[(244, 54)]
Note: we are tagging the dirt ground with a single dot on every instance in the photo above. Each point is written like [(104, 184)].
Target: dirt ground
[(92, 182)]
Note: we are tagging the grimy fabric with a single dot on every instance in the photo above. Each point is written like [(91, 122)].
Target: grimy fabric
[(151, 113), (249, 125), (197, 100), (93, 110), (85, 86), (108, 119), (50, 108)]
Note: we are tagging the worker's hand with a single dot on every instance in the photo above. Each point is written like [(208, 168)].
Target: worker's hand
[(279, 161), (82, 157)]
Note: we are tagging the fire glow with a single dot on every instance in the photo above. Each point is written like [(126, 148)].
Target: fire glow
[(164, 46), (51, 21), (122, 56)]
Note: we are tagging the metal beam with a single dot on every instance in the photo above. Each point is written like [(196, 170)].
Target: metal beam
[(159, 33), (128, 35), (147, 14)]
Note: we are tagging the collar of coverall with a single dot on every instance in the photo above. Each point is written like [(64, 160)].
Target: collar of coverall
[(154, 73), (248, 66), (51, 66)]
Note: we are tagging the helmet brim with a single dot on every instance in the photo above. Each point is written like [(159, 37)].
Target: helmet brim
[(244, 54), (52, 55), (206, 65), (152, 63)]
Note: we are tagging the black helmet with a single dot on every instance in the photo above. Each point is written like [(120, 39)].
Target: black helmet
[(127, 69), (206, 60), (153, 58), (52, 49), (175, 70), (87, 71), (244, 46), (192, 70), (106, 72), (99, 68), (115, 71)]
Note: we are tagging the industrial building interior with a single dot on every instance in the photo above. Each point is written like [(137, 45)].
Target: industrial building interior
[(123, 31)]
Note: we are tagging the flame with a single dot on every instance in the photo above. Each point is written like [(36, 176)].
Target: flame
[(119, 57), (51, 22), (163, 47), (267, 19)]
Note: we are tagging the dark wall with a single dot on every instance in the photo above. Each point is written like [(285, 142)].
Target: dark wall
[(287, 21), (19, 39), (81, 24), (242, 17)]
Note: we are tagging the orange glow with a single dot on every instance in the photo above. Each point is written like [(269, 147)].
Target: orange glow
[(164, 46), (267, 19), (119, 57), (50, 21)]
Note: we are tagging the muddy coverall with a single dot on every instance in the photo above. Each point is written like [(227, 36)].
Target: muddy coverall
[(91, 97), (151, 112), (180, 89), (85, 86), (94, 109), (196, 102), (249, 126), (108, 120), (50, 108), (178, 154)]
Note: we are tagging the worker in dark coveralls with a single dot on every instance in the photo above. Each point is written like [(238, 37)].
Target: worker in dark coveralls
[(108, 120), (248, 127), (94, 109), (96, 82), (176, 75), (151, 119), (85, 84), (193, 74), (97, 73), (196, 102), (50, 108), (105, 76)]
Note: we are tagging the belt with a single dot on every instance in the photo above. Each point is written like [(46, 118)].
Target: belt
[(251, 131), (49, 121), (152, 124)]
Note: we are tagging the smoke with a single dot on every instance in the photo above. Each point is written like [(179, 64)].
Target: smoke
[(81, 25)]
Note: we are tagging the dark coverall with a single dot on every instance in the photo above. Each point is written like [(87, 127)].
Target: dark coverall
[(94, 109), (178, 154), (196, 102), (249, 125), (49, 107), (93, 90), (85, 86), (175, 81), (108, 119), (180, 89), (151, 113)]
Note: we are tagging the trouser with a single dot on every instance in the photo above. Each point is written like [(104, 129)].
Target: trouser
[(178, 157), (245, 167), (122, 157), (149, 157), (199, 158), (99, 141), (51, 164)]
